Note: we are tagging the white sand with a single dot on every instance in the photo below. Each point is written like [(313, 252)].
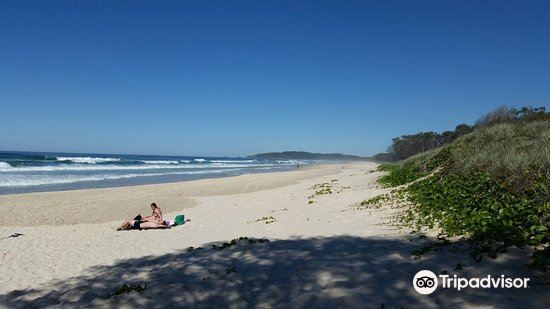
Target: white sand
[(321, 254)]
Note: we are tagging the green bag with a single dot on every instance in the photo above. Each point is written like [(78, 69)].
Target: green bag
[(179, 220)]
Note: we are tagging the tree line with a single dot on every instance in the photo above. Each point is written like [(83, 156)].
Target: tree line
[(406, 146)]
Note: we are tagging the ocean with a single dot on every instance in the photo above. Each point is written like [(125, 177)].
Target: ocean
[(23, 172)]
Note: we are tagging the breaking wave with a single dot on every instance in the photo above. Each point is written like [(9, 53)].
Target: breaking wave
[(89, 160)]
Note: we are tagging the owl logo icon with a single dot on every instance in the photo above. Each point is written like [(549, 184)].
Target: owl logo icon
[(425, 282)]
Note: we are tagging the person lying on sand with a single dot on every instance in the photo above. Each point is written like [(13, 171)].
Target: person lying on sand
[(138, 225), (156, 216)]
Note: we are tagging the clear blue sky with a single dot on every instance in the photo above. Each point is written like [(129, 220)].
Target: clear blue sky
[(241, 77)]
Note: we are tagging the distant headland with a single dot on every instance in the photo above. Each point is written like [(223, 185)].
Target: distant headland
[(303, 155)]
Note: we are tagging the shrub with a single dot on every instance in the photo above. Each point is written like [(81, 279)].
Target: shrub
[(479, 206), (399, 175), (541, 260), (506, 114), (499, 115)]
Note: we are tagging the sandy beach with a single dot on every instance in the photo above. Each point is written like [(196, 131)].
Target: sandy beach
[(323, 249)]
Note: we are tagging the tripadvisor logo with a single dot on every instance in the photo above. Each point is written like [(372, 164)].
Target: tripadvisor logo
[(426, 282)]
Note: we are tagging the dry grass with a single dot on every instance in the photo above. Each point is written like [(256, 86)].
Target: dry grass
[(506, 150)]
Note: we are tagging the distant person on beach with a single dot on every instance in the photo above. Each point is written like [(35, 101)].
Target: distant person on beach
[(156, 216), (138, 225)]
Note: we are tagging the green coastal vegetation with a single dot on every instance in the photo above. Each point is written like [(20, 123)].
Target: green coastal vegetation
[(303, 155), (489, 182)]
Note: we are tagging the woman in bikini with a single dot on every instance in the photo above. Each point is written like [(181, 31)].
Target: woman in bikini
[(156, 216)]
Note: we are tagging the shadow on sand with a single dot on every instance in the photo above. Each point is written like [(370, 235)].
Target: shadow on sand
[(341, 271)]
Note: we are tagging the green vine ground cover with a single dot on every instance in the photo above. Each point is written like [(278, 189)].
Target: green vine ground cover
[(492, 185)]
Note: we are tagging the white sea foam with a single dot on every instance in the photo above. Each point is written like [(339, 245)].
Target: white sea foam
[(5, 166), (37, 180), (199, 160), (159, 162), (291, 162), (233, 161), (113, 167), (89, 160)]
